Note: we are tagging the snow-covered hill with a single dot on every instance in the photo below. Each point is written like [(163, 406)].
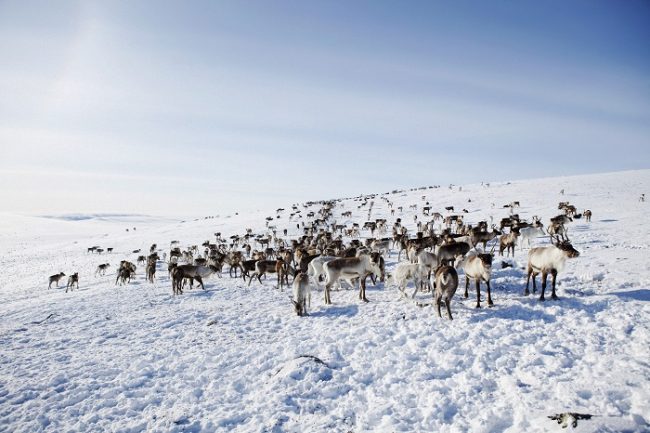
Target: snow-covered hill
[(134, 358)]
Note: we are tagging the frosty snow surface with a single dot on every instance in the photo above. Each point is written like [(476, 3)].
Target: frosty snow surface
[(134, 358)]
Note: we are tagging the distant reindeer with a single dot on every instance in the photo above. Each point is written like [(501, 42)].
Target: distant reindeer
[(528, 233), (55, 278), (125, 272), (101, 269), (262, 267), (72, 280), (587, 215), (123, 276), (507, 243), (192, 273), (150, 270)]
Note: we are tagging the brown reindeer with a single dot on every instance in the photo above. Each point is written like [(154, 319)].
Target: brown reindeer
[(72, 280), (55, 278)]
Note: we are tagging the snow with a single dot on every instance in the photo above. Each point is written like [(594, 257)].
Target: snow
[(236, 358)]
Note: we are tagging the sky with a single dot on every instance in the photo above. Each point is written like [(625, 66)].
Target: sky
[(211, 107)]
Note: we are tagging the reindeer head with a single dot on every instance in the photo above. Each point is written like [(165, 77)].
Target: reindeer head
[(377, 266), (486, 259), (568, 249), (565, 246), (297, 308)]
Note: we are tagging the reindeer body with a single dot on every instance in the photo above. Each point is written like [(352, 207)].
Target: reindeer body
[(548, 260), (350, 267), (55, 278), (446, 283), (72, 280), (478, 267)]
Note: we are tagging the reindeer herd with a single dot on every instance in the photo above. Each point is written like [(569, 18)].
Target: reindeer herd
[(328, 251)]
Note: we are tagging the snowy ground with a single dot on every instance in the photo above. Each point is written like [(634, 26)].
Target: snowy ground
[(133, 358)]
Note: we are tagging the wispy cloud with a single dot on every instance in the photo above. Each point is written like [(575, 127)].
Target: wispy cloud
[(241, 101)]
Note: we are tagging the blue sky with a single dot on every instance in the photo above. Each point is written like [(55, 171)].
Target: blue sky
[(208, 107)]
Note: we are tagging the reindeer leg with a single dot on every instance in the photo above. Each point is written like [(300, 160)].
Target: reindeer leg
[(490, 303), (362, 289), (553, 278), (327, 293), (478, 293), (530, 272), (466, 286), (438, 301), (544, 276), (448, 304), (200, 280), (416, 282)]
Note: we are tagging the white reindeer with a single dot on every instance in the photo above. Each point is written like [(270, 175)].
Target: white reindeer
[(477, 267), (528, 233), (405, 272), (347, 268), (316, 267), (301, 294), (548, 260)]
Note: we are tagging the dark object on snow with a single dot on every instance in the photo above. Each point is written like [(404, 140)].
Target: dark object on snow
[(45, 320), (506, 265), (572, 417), (315, 359)]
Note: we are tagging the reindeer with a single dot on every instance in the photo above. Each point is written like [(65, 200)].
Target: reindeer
[(316, 270), (301, 294), (446, 283), (404, 271), (483, 237), (123, 274), (55, 278), (558, 229), (528, 233), (281, 269), (192, 273), (350, 267), (101, 269), (262, 267), (430, 261), (448, 253), (587, 215), (150, 270), (548, 260), (381, 245), (478, 267), (507, 242), (72, 280)]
